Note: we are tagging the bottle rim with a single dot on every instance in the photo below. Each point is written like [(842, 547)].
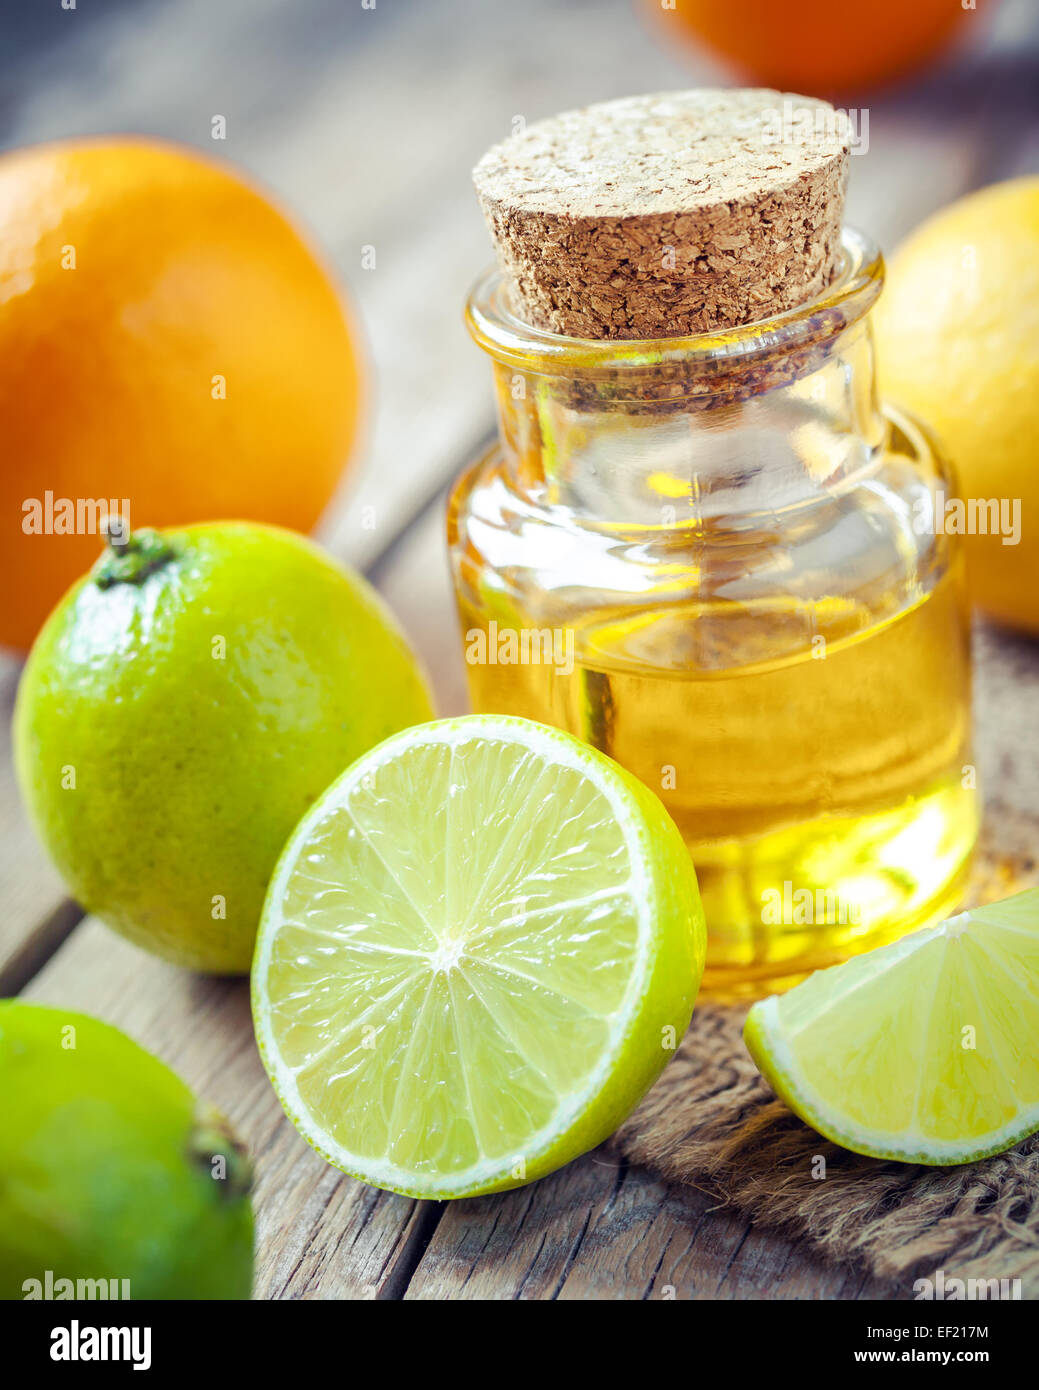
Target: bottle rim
[(508, 339)]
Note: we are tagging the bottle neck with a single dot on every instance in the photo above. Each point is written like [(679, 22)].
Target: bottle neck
[(716, 430), (697, 448)]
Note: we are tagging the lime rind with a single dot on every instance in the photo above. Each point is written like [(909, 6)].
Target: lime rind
[(662, 974), (954, 946)]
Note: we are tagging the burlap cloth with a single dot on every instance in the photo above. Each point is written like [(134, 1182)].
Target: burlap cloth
[(711, 1121)]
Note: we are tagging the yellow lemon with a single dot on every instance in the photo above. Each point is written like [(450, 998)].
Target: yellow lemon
[(958, 343)]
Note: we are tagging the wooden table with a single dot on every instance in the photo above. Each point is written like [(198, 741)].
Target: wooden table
[(367, 123)]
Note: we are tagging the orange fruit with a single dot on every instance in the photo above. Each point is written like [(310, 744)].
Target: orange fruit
[(168, 339), (819, 47)]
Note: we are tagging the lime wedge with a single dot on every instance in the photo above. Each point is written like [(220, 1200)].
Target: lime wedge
[(923, 1051), (478, 951)]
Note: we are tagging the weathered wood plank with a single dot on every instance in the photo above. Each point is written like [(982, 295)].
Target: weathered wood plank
[(416, 582), (1006, 725), (601, 1230), (36, 914), (319, 1234)]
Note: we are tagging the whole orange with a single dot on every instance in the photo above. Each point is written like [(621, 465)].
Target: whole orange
[(819, 47), (168, 340)]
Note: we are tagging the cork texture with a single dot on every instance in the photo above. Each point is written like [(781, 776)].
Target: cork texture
[(670, 214)]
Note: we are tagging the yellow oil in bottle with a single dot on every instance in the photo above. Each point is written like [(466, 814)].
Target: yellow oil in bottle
[(824, 793), (717, 560)]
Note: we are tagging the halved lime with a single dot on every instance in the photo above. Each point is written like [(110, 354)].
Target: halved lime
[(478, 951), (923, 1051)]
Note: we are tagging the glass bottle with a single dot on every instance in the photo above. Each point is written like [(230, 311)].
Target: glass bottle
[(715, 559)]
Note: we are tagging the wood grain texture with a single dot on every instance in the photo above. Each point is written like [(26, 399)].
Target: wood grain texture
[(36, 915), (599, 1229), (415, 579)]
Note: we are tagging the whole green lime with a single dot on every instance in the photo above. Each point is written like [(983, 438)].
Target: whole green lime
[(110, 1171), (182, 707)]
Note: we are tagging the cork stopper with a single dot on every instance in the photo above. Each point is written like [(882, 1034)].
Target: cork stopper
[(669, 214)]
